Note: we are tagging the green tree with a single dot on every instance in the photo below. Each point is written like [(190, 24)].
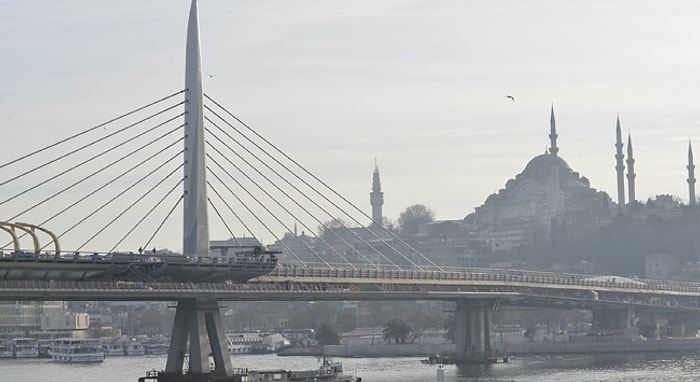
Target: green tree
[(326, 335), (413, 217), (398, 330)]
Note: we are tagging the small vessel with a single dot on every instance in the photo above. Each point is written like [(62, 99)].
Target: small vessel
[(44, 347), (113, 348), (329, 371), (155, 349), (25, 347), (6, 350), (77, 350), (134, 348)]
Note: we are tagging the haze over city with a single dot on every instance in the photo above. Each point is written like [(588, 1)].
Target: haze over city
[(419, 85)]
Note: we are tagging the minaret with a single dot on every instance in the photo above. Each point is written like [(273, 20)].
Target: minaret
[(630, 169), (553, 134), (691, 175), (376, 197), (619, 167)]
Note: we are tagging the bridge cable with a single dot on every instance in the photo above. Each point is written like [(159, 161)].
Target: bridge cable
[(322, 183), (245, 226), (140, 198), (256, 199), (162, 223), (289, 197), (90, 129), (120, 193), (221, 218), (105, 185), (147, 214), (237, 217), (87, 145), (105, 152)]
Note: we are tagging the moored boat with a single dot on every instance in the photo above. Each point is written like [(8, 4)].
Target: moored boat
[(155, 349), (329, 371), (25, 347), (6, 350), (76, 350), (134, 348)]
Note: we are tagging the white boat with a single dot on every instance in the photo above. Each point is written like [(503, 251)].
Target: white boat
[(156, 349), (76, 350), (6, 350), (113, 348), (25, 347), (134, 348)]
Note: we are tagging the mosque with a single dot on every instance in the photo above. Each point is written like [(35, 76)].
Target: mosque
[(548, 198)]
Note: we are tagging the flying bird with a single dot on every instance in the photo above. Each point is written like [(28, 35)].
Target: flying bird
[(510, 97)]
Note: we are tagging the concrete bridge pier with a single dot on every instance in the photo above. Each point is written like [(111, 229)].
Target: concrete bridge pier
[(199, 321), (472, 329), (609, 318)]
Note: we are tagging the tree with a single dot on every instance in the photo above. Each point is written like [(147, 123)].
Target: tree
[(398, 330), (413, 217), (326, 335)]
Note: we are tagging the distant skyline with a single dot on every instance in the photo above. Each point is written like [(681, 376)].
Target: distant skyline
[(419, 85)]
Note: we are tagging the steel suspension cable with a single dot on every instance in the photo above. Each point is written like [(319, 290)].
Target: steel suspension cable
[(289, 197), (322, 183), (90, 129), (63, 156), (162, 223), (147, 214)]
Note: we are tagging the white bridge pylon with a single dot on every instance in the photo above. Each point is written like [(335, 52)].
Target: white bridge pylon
[(196, 320)]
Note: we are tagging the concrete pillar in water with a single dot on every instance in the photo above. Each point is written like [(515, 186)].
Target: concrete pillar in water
[(199, 321), (472, 334), (607, 318)]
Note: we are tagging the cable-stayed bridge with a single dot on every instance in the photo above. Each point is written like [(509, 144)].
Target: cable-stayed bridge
[(92, 217)]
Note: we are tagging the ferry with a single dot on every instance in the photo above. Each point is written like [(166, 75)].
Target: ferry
[(134, 348), (75, 350), (25, 347), (114, 348), (6, 350), (155, 349)]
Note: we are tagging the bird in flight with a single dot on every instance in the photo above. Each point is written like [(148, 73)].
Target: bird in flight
[(510, 97)]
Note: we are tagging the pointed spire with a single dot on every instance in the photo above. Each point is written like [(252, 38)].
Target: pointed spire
[(196, 225), (630, 170), (691, 175), (376, 197), (553, 134), (619, 167)]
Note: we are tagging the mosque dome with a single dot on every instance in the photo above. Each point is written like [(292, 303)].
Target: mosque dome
[(540, 167)]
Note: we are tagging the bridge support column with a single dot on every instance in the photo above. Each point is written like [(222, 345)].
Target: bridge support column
[(472, 329), (199, 321), (606, 318)]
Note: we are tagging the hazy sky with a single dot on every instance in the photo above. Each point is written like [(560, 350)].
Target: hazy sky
[(420, 85)]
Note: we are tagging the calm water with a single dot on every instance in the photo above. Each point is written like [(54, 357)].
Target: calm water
[(610, 368)]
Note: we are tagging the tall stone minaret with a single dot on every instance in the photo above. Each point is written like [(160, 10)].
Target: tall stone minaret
[(630, 169), (553, 134), (619, 167), (691, 175), (376, 197)]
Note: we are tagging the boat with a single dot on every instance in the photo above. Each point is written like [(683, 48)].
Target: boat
[(25, 347), (44, 347), (329, 371), (134, 348), (155, 349), (6, 350), (77, 350), (113, 348)]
